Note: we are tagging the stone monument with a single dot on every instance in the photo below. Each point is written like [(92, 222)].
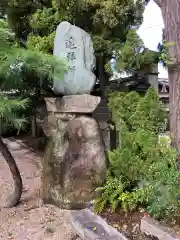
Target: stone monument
[(75, 46), (75, 160)]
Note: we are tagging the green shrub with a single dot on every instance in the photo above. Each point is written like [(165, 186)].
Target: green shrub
[(41, 44), (143, 168)]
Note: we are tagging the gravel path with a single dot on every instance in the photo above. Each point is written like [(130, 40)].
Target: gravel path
[(30, 220)]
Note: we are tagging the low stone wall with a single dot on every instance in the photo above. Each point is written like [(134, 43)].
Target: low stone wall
[(90, 226), (153, 228)]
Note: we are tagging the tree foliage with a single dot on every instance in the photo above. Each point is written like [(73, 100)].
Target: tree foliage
[(108, 21), (22, 71), (164, 55), (133, 56), (110, 24), (18, 12), (15, 65)]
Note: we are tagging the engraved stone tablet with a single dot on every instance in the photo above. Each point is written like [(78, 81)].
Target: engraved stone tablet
[(75, 46)]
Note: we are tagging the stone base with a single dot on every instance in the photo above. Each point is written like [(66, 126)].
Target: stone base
[(68, 205), (75, 162), (84, 103)]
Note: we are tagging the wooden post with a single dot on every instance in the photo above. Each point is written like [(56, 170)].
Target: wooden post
[(103, 78)]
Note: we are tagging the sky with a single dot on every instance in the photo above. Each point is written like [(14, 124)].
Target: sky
[(151, 31)]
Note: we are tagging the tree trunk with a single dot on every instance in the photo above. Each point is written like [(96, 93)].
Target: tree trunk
[(171, 16), (13, 200)]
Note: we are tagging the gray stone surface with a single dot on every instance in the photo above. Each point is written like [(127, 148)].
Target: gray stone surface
[(75, 161), (73, 104), (151, 227), (90, 226), (75, 46)]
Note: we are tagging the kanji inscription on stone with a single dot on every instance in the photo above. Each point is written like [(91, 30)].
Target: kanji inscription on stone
[(71, 69), (69, 43), (71, 56)]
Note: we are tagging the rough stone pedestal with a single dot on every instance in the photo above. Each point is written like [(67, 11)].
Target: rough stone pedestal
[(75, 161)]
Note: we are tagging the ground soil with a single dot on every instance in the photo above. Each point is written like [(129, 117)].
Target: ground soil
[(127, 223), (30, 220)]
